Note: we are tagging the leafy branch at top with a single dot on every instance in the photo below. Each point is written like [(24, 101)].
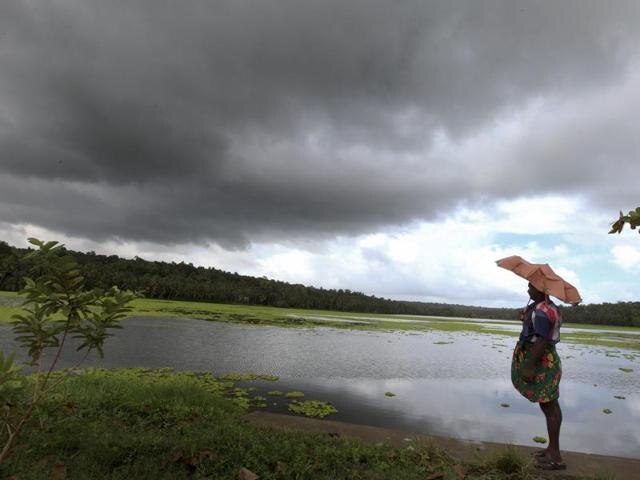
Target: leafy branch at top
[(633, 219)]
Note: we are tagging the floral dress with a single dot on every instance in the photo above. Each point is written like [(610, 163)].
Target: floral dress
[(540, 320)]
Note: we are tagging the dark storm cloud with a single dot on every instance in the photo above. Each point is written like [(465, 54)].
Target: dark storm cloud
[(234, 120)]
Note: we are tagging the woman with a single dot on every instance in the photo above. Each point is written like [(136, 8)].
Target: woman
[(536, 369)]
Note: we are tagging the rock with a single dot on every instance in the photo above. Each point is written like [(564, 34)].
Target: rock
[(246, 474)]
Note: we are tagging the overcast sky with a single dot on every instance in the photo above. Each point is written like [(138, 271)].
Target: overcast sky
[(392, 147)]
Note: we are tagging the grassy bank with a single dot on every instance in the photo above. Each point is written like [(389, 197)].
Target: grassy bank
[(143, 424), (622, 337)]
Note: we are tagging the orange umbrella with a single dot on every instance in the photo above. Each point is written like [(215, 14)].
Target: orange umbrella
[(541, 276)]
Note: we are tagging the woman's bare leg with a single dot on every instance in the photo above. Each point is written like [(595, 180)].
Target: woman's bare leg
[(553, 415)]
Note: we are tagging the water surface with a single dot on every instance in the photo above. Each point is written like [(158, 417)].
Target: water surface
[(446, 383)]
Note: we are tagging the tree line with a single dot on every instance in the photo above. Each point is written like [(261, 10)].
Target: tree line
[(183, 281)]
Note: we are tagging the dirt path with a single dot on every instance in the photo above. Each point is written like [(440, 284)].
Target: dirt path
[(578, 464)]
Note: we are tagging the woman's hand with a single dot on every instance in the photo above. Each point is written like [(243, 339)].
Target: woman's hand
[(537, 350), (528, 372)]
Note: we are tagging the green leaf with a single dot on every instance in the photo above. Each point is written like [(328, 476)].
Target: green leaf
[(35, 241)]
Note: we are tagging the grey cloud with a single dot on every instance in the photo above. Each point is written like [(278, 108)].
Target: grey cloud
[(235, 120)]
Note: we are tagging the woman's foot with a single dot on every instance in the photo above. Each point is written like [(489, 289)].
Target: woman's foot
[(549, 460)]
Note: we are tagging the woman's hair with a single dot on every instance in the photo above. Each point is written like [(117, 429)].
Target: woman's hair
[(536, 291)]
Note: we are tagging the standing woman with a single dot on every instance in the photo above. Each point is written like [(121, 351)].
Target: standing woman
[(536, 370)]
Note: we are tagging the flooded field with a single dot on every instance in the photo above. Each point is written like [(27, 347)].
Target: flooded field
[(451, 383)]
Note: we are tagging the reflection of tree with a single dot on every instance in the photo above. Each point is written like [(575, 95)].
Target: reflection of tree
[(633, 219)]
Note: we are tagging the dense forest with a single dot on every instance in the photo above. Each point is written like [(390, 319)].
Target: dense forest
[(181, 281)]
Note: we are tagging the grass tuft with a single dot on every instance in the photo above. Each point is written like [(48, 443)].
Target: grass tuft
[(508, 463)]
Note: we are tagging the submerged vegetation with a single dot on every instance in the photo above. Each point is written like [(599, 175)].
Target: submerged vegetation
[(239, 377), (294, 394), (312, 408), (617, 337)]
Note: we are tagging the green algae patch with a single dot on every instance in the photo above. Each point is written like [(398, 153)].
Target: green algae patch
[(248, 377), (312, 408), (242, 402), (607, 411), (294, 394), (275, 393), (259, 402), (239, 392), (538, 439), (239, 377), (389, 394), (626, 370), (623, 337)]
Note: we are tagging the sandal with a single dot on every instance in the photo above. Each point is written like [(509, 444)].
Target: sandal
[(551, 465)]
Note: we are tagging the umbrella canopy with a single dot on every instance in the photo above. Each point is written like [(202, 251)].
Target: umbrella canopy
[(541, 276)]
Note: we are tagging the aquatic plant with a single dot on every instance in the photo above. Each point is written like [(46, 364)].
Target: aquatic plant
[(242, 402), (312, 408), (625, 369), (538, 439), (238, 377), (607, 411), (275, 393), (259, 401), (389, 394), (294, 394), (239, 392), (505, 405), (248, 377)]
